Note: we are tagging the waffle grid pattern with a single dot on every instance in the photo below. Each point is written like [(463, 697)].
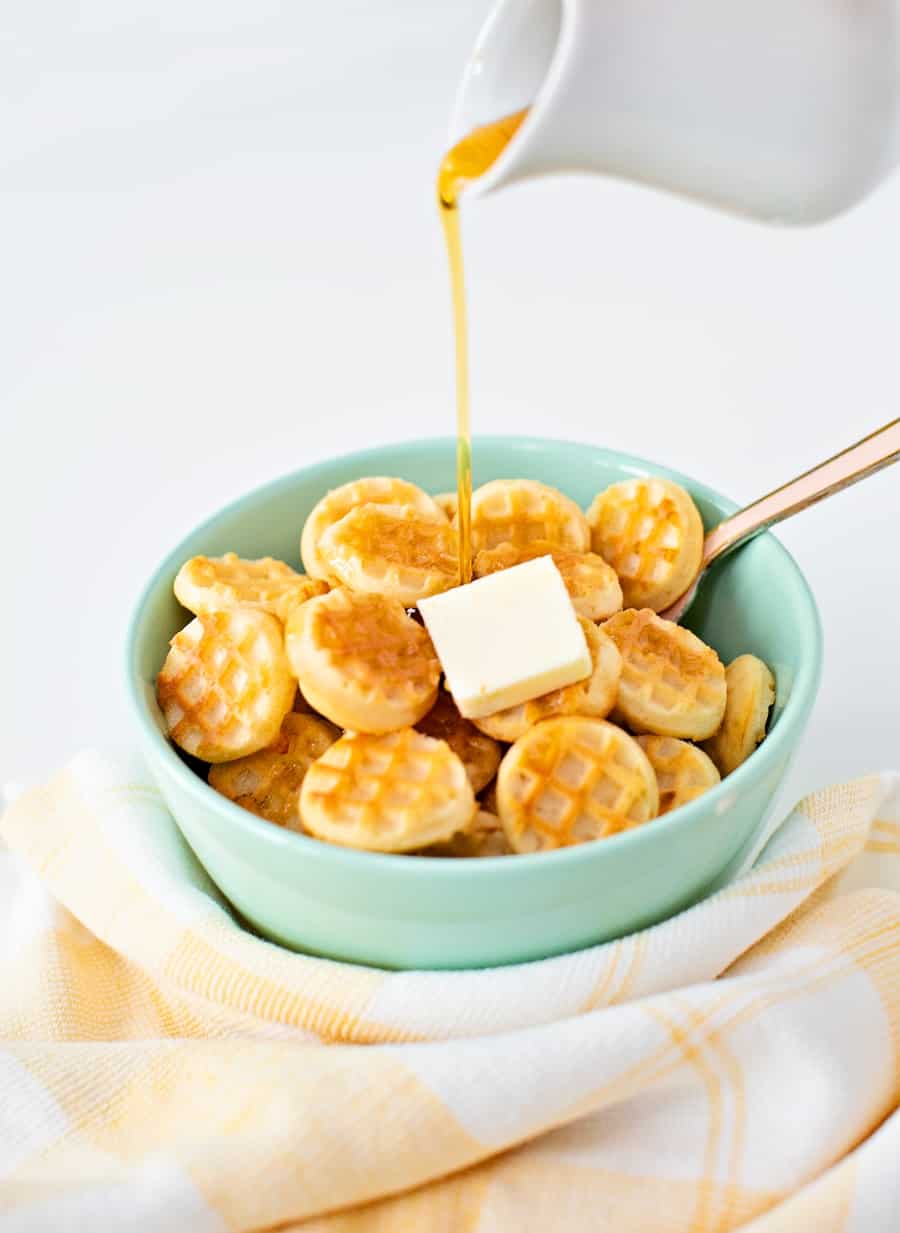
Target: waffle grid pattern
[(335, 505), (372, 642), (391, 793), (650, 533), (667, 672), (392, 550), (570, 781), (683, 772), (520, 512), (225, 686), (205, 584), (268, 783)]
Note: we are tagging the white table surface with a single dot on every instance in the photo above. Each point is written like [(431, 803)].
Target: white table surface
[(220, 260)]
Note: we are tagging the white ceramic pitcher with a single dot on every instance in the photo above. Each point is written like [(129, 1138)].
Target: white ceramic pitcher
[(787, 110)]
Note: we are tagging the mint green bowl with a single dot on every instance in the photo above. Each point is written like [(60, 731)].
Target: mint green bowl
[(415, 912)]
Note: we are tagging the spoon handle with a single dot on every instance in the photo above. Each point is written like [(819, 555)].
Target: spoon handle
[(867, 456)]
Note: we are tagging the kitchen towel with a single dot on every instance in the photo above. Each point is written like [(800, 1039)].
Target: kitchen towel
[(161, 1068)]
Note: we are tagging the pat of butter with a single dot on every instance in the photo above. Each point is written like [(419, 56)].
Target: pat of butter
[(508, 637)]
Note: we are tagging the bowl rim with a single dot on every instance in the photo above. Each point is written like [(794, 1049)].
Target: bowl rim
[(802, 695)]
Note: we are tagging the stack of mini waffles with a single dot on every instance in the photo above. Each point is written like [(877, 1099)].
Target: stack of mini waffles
[(317, 698)]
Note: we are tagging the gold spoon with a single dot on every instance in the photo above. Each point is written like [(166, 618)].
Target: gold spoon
[(858, 461)]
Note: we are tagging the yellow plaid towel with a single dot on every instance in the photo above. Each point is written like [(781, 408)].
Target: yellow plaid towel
[(161, 1069)]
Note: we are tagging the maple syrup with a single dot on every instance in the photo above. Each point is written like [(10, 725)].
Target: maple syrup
[(466, 161)]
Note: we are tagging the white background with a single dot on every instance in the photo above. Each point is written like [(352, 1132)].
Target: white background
[(219, 260)]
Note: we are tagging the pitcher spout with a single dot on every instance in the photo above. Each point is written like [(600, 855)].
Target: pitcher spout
[(784, 110)]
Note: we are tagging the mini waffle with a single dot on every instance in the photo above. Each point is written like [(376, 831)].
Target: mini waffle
[(595, 696), (208, 584), (478, 753), (672, 683), (373, 490), (362, 661), (484, 836), (592, 584), (392, 550), (650, 532), (518, 512), (390, 793), (448, 502), (751, 693), (571, 780), (226, 684), (268, 783), (683, 772)]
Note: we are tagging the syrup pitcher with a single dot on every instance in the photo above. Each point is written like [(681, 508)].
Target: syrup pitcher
[(784, 110)]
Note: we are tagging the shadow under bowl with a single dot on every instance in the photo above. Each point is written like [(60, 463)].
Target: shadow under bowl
[(417, 912)]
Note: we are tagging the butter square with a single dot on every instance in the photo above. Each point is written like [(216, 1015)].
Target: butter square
[(508, 637)]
